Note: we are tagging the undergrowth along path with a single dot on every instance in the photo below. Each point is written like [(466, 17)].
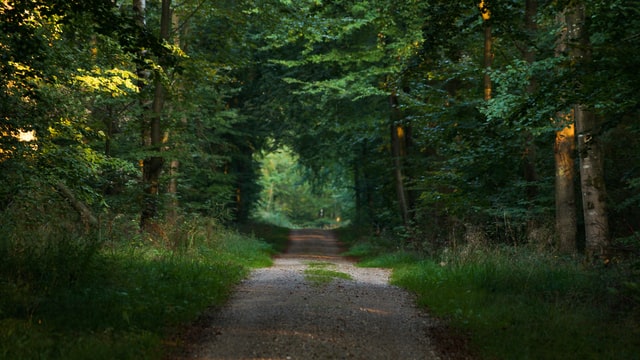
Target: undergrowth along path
[(314, 304)]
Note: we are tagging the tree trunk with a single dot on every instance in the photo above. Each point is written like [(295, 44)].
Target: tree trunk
[(565, 173), (594, 195), (86, 215), (174, 164), (488, 57), (397, 135), (530, 151), (590, 152), (152, 165), (566, 217), (530, 174)]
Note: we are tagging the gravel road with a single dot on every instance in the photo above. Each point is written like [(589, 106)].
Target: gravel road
[(279, 313)]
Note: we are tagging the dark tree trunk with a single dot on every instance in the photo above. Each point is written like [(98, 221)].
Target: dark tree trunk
[(530, 173), (397, 136), (488, 56), (152, 165)]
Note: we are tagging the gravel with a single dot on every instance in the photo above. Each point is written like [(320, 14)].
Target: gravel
[(278, 313)]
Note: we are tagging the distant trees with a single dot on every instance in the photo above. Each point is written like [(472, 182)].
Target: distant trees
[(482, 118)]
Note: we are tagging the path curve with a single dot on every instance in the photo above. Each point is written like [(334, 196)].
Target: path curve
[(278, 314)]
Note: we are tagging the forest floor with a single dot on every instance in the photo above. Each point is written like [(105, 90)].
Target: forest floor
[(314, 304)]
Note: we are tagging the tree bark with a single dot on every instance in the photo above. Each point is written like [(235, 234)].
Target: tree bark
[(152, 165), (488, 56), (566, 224), (174, 164), (590, 151), (566, 217), (594, 194), (488, 59), (530, 173), (396, 153), (530, 150), (83, 210)]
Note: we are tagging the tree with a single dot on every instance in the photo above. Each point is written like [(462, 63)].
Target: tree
[(590, 151), (566, 208), (153, 163), (566, 218), (485, 11)]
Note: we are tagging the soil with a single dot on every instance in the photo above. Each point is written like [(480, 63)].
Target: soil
[(280, 313)]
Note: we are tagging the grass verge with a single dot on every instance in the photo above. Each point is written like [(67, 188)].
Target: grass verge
[(125, 298), (276, 236), (518, 303)]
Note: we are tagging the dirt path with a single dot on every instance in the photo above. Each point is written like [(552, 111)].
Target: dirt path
[(279, 313)]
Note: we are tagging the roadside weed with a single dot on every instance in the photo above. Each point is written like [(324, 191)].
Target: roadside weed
[(321, 273)]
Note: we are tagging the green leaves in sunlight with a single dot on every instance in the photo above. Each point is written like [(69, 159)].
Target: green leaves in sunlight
[(113, 82)]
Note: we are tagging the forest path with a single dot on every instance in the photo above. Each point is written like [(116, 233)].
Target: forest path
[(281, 313)]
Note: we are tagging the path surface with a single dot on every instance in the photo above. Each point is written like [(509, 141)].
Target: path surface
[(278, 314)]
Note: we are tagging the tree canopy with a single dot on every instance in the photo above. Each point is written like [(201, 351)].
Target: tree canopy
[(166, 109)]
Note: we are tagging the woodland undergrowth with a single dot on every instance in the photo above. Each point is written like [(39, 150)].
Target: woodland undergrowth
[(518, 302), (114, 293)]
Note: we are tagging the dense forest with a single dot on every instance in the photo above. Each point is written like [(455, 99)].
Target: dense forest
[(437, 124)]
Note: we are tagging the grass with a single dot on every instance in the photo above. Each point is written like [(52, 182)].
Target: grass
[(276, 236), (519, 303), (320, 273), (123, 300)]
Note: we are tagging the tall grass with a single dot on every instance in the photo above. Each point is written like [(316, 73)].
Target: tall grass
[(72, 295), (275, 235), (523, 304), (518, 302)]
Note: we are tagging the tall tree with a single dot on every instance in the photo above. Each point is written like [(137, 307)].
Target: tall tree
[(485, 11), (590, 148), (531, 27), (153, 163), (566, 219), (398, 138)]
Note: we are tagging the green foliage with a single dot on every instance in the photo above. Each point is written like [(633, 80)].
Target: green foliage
[(380, 250), (294, 197), (247, 78)]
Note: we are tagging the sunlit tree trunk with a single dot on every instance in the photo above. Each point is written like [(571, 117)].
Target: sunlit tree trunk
[(488, 56), (566, 222), (397, 137), (590, 152), (566, 216)]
